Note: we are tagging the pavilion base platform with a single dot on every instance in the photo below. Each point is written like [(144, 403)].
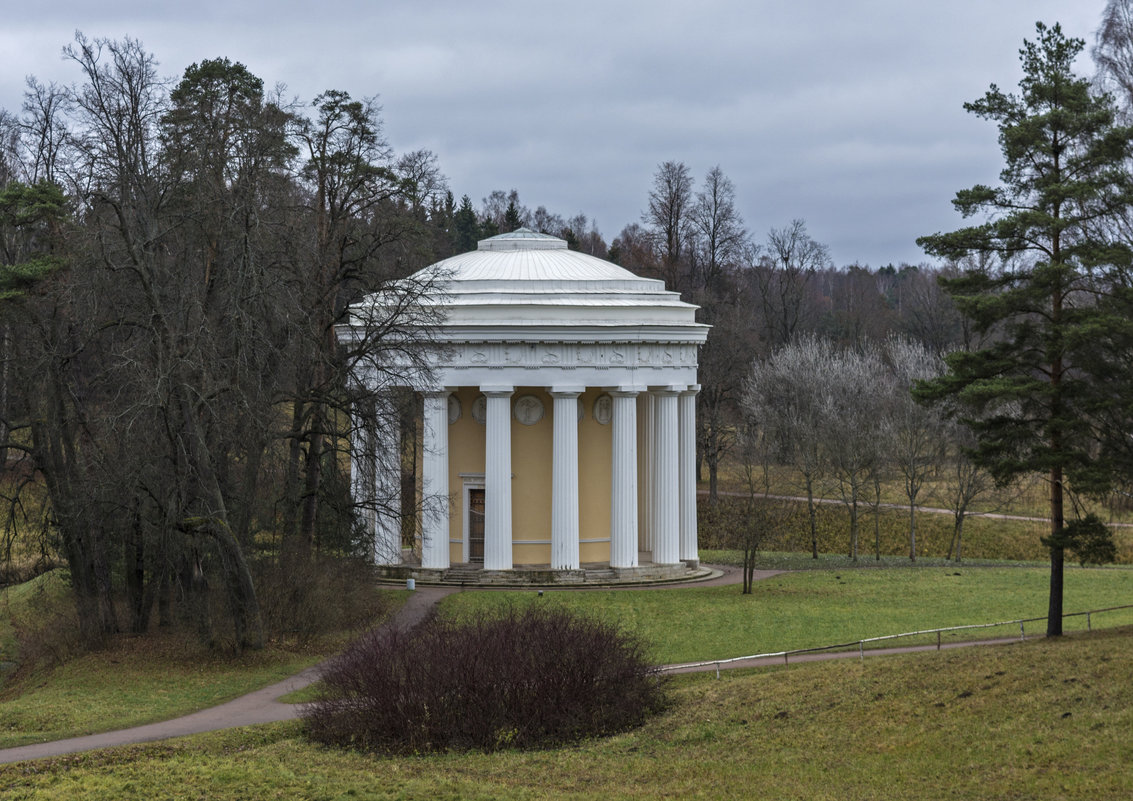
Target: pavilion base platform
[(599, 574)]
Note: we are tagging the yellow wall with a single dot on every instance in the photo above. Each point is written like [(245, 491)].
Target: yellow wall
[(465, 455), (531, 464), (531, 461), (594, 476)]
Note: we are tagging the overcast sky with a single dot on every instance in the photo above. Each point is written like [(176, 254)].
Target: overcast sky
[(845, 113)]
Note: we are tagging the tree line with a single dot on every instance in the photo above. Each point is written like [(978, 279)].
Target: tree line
[(175, 407)]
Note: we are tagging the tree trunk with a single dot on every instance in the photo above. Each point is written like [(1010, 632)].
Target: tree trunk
[(811, 515), (311, 485), (912, 528), (56, 450), (290, 521), (195, 585), (5, 413), (1054, 609), (164, 597), (877, 520), (134, 560), (248, 487), (240, 589)]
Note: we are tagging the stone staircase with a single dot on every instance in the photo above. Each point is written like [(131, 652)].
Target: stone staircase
[(468, 573)]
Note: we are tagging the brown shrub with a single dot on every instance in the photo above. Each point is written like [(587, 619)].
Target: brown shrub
[(524, 679), (308, 599)]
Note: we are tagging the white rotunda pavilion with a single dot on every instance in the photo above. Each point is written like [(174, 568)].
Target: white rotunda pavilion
[(559, 415)]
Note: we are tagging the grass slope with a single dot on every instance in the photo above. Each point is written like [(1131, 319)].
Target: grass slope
[(34, 599), (136, 680), (1042, 719)]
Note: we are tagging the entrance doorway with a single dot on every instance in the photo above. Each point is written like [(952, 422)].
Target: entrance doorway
[(476, 524)]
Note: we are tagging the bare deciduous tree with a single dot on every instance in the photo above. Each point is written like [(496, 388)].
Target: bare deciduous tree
[(792, 258), (669, 217), (786, 397), (718, 228), (1113, 52), (849, 418), (965, 483), (917, 439)]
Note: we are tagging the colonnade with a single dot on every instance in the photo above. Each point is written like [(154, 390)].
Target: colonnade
[(652, 491)]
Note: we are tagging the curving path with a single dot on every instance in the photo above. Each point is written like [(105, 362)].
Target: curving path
[(261, 706)]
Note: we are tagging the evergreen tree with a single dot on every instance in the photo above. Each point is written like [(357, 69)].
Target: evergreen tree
[(466, 225), (1034, 394), (511, 218)]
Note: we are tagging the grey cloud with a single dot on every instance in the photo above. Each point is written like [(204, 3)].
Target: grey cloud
[(846, 114)]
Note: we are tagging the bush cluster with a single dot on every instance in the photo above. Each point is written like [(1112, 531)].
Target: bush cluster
[(307, 599), (523, 679)]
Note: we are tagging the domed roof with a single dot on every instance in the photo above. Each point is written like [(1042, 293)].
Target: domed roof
[(525, 278), (525, 258), (529, 286), (524, 310)]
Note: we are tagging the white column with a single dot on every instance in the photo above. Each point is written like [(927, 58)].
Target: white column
[(434, 480), (645, 471), (497, 479), (564, 480), (362, 468), (665, 518), (385, 435), (687, 473), (623, 489)]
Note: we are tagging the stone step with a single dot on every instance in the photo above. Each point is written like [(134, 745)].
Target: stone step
[(475, 575)]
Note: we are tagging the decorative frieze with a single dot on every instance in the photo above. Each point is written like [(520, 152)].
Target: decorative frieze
[(568, 355)]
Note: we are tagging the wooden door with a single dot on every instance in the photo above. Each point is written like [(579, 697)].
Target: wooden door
[(476, 525)]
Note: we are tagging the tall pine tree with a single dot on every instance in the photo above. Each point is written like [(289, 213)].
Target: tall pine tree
[(1033, 395)]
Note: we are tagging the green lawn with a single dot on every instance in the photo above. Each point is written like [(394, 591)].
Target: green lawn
[(1042, 719), (824, 607)]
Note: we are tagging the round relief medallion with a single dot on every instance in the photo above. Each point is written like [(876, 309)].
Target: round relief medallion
[(528, 409), (480, 409), (581, 409), (603, 409), (453, 409)]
